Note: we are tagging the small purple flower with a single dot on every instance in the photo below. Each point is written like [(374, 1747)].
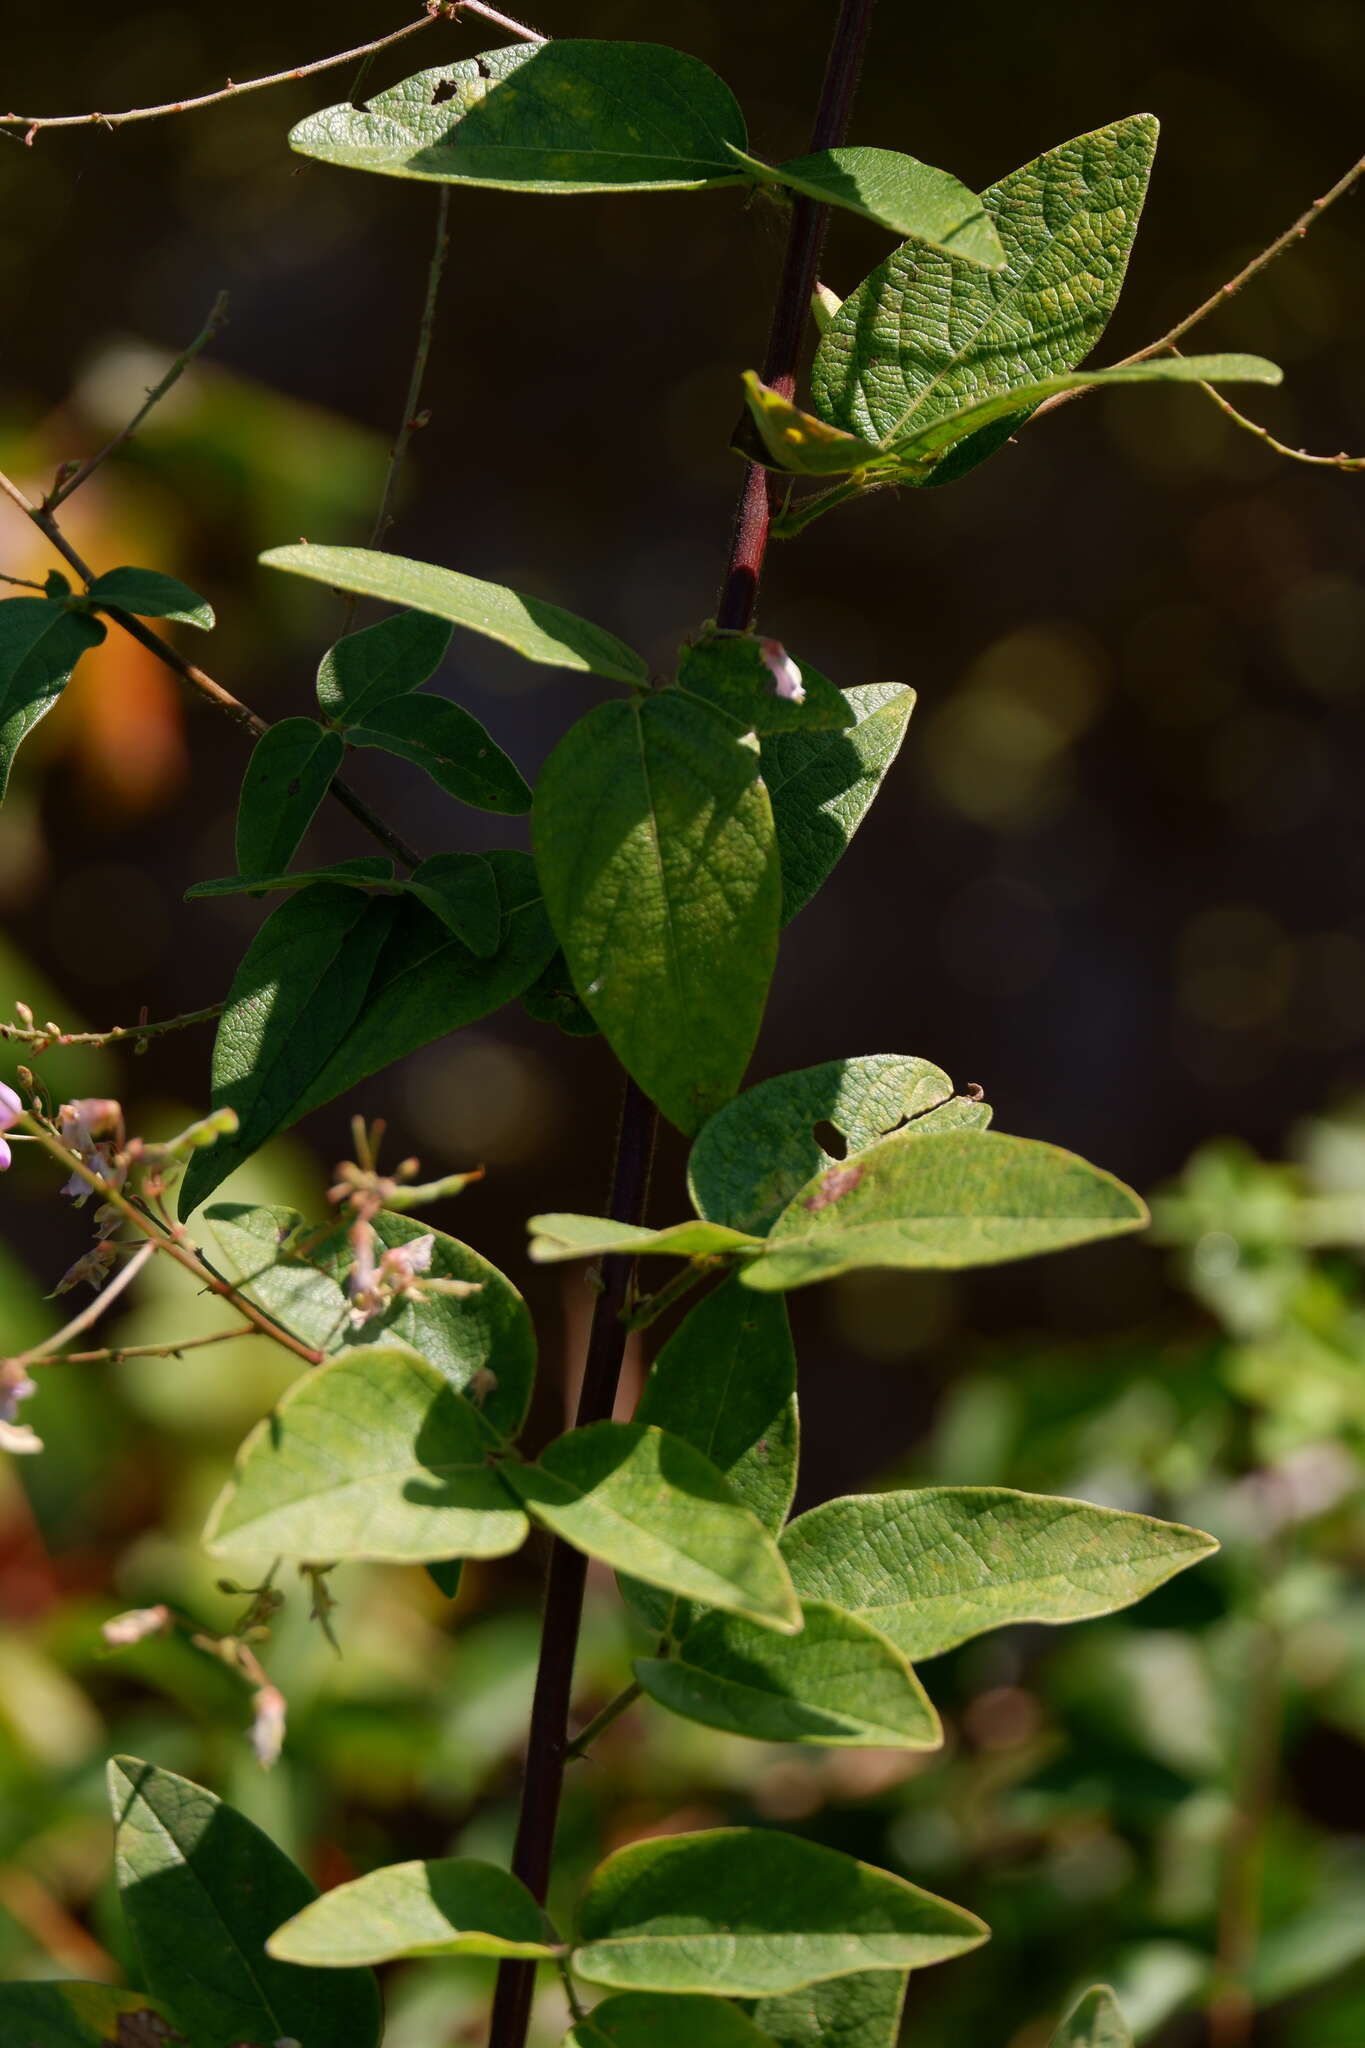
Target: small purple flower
[(11, 1109)]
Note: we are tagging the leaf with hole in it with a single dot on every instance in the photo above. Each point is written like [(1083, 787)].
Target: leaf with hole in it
[(40, 644), (839, 1683), (64, 2015), (931, 1568), (750, 1913), (926, 333), (289, 773), (541, 632), (202, 1888), (895, 191), (366, 871), (589, 1237), (449, 742), (1095, 2022), (569, 116), (822, 784), (373, 1455), (655, 846), (649, 1504), (454, 1906), (799, 442), (944, 1200), (367, 668), (460, 889), (754, 1156), (862, 2011), (648, 2019), (150, 595), (728, 672)]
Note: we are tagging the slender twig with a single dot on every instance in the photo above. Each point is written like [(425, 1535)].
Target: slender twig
[(33, 124), (413, 416), (198, 680), (548, 1741), (513, 28), (612, 1711), (39, 1037), (114, 1354), (1342, 461), (67, 483), (93, 1310)]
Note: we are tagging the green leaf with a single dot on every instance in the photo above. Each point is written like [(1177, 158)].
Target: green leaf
[(727, 671), (756, 1155), (749, 1912), (150, 595), (944, 1200), (588, 1237), (895, 191), (451, 1907), (40, 643), (266, 1252), (863, 2011), (798, 441), (553, 999), (288, 775), (571, 116), (645, 2019), (82, 2016), (366, 871), (838, 1683), (927, 333), (202, 1888), (822, 786), (649, 1504), (1095, 2023), (373, 1455), (460, 889), (448, 741), (447, 1575), (367, 668), (932, 1568), (542, 632), (655, 844)]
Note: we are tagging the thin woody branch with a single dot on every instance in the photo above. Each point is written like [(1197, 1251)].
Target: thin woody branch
[(40, 1037)]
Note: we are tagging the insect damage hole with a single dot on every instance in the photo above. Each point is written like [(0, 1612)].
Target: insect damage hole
[(830, 1139)]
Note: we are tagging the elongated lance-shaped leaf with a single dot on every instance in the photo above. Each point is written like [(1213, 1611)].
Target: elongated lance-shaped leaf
[(151, 595), (373, 1455), (650, 2019), (821, 786), (1095, 2022), (449, 742), (927, 333), (655, 845), (288, 775), (558, 1237), (895, 191), (945, 1199), (731, 672), (82, 2016), (750, 1913), (452, 1907), (571, 116), (202, 1888), (933, 1567), (367, 668), (838, 1683), (754, 1156), (40, 644), (543, 632), (366, 871), (648, 1503), (863, 2011)]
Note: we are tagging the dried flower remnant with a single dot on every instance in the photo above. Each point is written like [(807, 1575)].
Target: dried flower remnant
[(93, 1129), (121, 1631), (267, 1727)]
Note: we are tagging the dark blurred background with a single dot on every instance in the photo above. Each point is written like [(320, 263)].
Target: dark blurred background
[(1116, 876)]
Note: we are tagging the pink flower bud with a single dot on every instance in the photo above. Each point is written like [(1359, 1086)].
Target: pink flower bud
[(267, 1730), (783, 670), (6, 1156), (11, 1108), (135, 1626)]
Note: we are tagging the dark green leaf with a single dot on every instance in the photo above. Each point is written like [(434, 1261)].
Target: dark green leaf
[(749, 1912), (288, 775), (40, 644), (553, 999), (460, 889), (650, 1504), (728, 672), (366, 871), (542, 632), (898, 192), (656, 850), (82, 2016), (946, 1200), (446, 1575), (930, 1569), (451, 745), (844, 2012), (645, 2019), (202, 1888), (373, 1455), (150, 595), (1095, 2023), (588, 1237), (822, 785), (367, 668), (571, 116), (452, 1907)]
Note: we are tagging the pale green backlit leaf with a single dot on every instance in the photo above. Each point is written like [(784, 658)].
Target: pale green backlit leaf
[(288, 775), (895, 191), (799, 442), (150, 595), (449, 742), (452, 1907), (588, 1237), (367, 668), (373, 1455), (946, 1200), (1095, 2023), (570, 116), (647, 2019), (933, 1567), (40, 643), (728, 672), (542, 632), (750, 1912), (821, 785)]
